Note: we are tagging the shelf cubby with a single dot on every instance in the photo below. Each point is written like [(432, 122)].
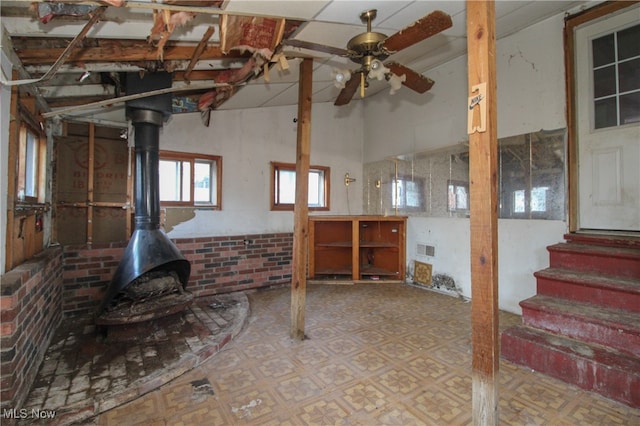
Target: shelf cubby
[(367, 248)]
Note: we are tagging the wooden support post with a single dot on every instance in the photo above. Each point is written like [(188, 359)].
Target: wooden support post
[(12, 178), (90, 181), (483, 152), (301, 209)]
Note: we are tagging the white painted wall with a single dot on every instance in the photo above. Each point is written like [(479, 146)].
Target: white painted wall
[(521, 251), (5, 106), (248, 140), (530, 97)]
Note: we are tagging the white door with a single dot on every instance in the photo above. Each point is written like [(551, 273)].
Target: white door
[(608, 116)]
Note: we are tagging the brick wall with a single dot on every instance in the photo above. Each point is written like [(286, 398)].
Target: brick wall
[(71, 281), (87, 272), (30, 310), (226, 264), (218, 265)]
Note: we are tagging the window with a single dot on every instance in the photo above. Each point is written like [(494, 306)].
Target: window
[(458, 196), (283, 185), (616, 85), (407, 193), (190, 179), (538, 203), (31, 166)]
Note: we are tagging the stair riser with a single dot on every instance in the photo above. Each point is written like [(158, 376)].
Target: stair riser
[(601, 296), (621, 385), (590, 332), (586, 262)]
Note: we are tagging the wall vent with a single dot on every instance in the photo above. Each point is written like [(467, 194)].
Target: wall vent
[(425, 250)]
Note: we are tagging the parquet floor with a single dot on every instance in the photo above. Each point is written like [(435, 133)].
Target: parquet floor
[(376, 354)]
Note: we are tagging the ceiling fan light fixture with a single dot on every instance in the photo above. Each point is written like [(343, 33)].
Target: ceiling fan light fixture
[(340, 78), (396, 82), (377, 70)]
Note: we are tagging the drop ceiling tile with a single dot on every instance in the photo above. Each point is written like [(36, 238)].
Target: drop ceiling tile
[(305, 10), (328, 33), (348, 12), (255, 95)]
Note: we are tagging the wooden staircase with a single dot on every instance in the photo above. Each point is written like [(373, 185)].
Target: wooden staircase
[(583, 325)]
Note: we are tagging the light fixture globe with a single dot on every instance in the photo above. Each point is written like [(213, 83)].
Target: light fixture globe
[(340, 77), (377, 70)]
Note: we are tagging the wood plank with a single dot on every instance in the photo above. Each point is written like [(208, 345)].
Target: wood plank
[(90, 181), (301, 208), (199, 75), (74, 43), (121, 51), (14, 134), (196, 54), (355, 249), (483, 154), (110, 102)]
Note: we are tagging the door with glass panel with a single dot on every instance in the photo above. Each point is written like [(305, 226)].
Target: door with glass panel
[(607, 60)]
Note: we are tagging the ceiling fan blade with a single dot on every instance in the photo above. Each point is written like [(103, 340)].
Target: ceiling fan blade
[(414, 81), (349, 89), (422, 29), (315, 46)]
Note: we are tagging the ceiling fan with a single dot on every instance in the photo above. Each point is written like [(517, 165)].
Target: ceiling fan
[(370, 48)]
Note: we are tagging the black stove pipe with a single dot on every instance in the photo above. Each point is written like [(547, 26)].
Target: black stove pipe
[(146, 124), (149, 249)]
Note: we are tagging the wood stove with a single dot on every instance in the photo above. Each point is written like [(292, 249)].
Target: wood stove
[(150, 281)]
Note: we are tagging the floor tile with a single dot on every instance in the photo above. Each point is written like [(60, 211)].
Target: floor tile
[(376, 355)]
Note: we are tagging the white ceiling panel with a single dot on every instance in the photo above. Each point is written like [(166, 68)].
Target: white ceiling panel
[(305, 9), (258, 94), (348, 12), (288, 96), (329, 33)]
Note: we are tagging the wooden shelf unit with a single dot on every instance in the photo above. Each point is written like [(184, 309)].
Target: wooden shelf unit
[(357, 248)]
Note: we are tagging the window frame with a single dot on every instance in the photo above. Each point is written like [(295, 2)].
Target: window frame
[(452, 196), (396, 196), (40, 164), (276, 167), (193, 158), (618, 92)]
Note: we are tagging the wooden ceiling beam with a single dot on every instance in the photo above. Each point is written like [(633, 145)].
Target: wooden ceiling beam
[(198, 51), (74, 101), (116, 51), (196, 75)]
